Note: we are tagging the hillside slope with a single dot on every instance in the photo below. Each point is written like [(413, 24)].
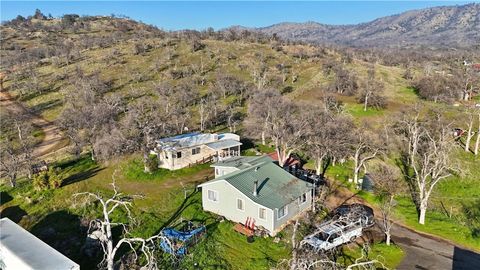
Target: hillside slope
[(457, 26), (134, 58)]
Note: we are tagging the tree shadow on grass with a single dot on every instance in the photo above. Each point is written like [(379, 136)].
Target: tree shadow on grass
[(66, 233), (81, 176), (5, 197), (14, 213), (185, 204), (46, 105)]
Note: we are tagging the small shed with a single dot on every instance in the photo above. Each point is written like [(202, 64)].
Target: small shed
[(20, 249)]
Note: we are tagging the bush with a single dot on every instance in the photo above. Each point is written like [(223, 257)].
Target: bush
[(472, 213), (152, 163), (50, 179)]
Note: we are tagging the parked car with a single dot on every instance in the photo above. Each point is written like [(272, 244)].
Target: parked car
[(345, 225), (334, 233)]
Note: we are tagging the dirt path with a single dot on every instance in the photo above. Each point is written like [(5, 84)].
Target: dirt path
[(422, 251), (53, 139)]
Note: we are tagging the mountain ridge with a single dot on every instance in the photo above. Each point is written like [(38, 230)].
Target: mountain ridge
[(443, 26)]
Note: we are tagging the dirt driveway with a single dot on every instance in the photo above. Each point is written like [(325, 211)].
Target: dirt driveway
[(53, 139), (422, 251)]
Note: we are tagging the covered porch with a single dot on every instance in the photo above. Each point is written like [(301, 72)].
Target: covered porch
[(225, 149)]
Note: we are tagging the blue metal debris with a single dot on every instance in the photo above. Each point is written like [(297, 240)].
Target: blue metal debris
[(178, 241)]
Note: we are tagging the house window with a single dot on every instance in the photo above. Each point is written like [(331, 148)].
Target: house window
[(179, 154), (213, 195), (303, 198), (281, 212), (240, 204), (262, 213), (196, 150)]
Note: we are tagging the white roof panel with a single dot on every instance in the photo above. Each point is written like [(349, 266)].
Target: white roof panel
[(20, 249)]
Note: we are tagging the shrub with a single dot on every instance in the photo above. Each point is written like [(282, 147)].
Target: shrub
[(152, 163), (50, 179)]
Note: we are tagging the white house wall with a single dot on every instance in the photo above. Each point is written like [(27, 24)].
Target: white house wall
[(221, 171), (227, 205), (186, 159), (293, 209)]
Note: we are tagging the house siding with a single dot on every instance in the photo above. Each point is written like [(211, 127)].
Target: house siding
[(221, 171), (227, 205), (293, 210), (186, 159)]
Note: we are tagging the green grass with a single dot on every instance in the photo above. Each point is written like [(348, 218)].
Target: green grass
[(163, 204), (356, 110), (341, 172), (226, 249), (390, 256), (134, 171), (436, 223), (265, 148)]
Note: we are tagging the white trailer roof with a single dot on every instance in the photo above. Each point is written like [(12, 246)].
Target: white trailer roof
[(20, 249)]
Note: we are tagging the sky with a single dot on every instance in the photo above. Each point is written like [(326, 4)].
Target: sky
[(176, 15)]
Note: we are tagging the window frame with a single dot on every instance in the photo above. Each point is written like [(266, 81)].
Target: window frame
[(195, 151), (265, 213), (243, 204), (215, 193), (177, 154), (301, 197), (285, 210)]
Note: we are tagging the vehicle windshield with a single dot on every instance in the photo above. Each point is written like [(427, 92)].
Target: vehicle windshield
[(327, 237)]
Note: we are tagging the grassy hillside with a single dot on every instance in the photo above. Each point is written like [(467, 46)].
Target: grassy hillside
[(134, 58), (128, 70)]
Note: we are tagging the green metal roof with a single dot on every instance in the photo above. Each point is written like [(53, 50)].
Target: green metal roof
[(242, 162), (276, 187)]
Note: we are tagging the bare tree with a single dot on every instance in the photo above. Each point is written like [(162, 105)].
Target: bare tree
[(345, 82), (104, 225), (470, 133), (477, 141), (365, 147), (141, 126), (387, 186), (371, 92), (287, 128), (328, 139), (176, 102), (260, 110), (87, 111), (426, 149), (10, 162)]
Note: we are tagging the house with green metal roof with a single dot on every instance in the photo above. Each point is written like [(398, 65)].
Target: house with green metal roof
[(258, 190)]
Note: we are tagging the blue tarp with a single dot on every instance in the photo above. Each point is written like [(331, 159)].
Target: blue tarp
[(174, 235)]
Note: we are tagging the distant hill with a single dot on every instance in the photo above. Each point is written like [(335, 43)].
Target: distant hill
[(446, 26)]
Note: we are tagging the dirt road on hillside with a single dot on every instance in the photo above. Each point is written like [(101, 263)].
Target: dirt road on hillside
[(422, 251), (53, 139)]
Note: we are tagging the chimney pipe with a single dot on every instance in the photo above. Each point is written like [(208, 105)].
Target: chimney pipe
[(255, 186)]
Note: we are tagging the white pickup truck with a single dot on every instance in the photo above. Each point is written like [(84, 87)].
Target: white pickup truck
[(345, 227)]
